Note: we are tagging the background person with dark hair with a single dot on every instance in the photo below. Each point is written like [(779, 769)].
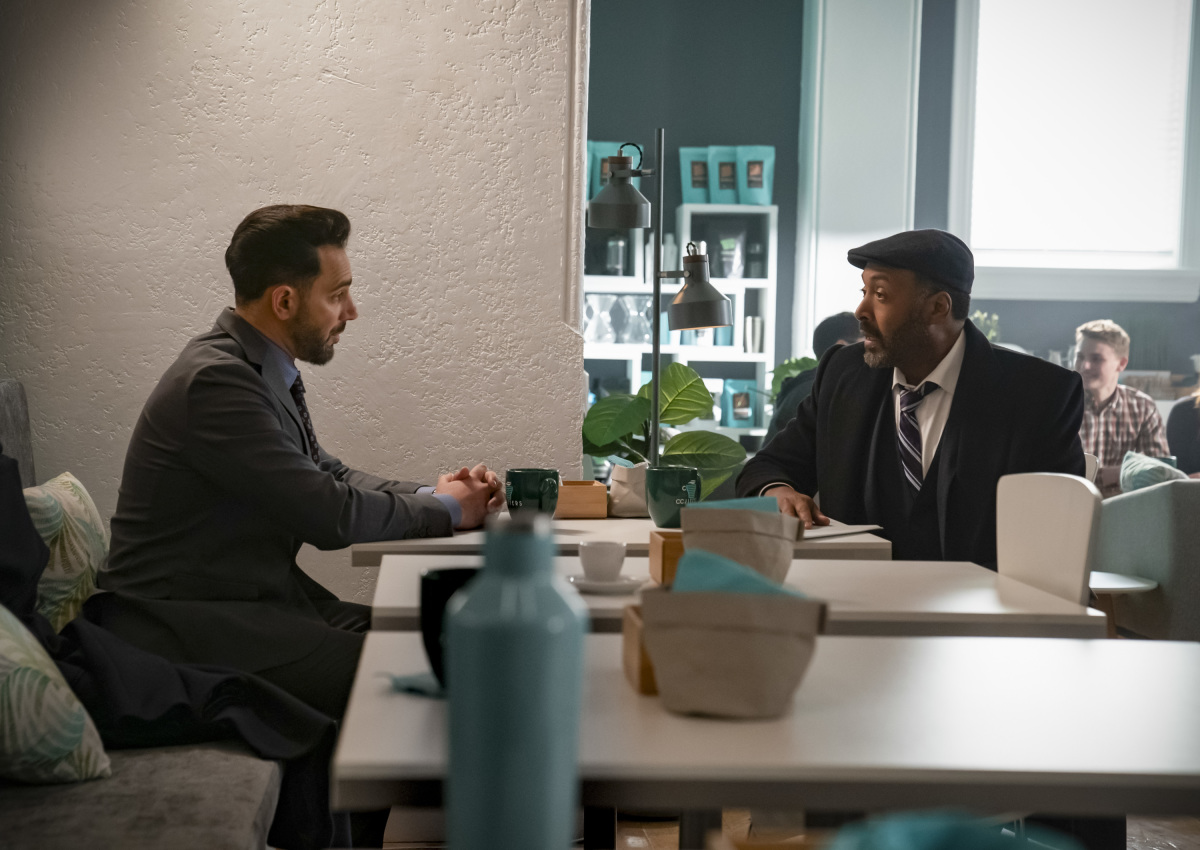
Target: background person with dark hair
[(1183, 434), (838, 329), (225, 479), (912, 428)]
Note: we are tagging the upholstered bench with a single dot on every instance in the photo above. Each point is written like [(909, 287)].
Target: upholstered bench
[(202, 795), (207, 795)]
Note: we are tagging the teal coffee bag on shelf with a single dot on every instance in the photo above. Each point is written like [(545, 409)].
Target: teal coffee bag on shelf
[(722, 175), (693, 175), (755, 173), (737, 403)]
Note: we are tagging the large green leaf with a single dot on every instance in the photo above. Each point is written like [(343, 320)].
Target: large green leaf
[(682, 395), (787, 369), (705, 450), (590, 448), (614, 417), (710, 481)]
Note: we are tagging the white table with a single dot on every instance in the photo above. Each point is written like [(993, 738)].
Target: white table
[(1107, 586), (863, 597), (634, 532), (994, 724)]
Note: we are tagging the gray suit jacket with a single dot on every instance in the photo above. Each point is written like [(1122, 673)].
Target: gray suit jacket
[(218, 493)]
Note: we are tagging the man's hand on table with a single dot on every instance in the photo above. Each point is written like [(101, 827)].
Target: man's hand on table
[(477, 490), (798, 505)]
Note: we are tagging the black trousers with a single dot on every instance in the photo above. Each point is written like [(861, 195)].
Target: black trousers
[(324, 676), (323, 679)]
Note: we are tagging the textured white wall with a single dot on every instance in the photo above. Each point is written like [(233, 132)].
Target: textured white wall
[(135, 135)]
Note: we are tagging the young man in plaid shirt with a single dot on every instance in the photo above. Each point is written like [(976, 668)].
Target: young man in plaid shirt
[(1116, 418)]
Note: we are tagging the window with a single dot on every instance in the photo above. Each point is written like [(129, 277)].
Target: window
[(1072, 133)]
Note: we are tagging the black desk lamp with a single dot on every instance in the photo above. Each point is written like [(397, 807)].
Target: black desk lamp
[(620, 206)]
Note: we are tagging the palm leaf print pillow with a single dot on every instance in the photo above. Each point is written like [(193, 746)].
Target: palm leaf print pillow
[(46, 735)]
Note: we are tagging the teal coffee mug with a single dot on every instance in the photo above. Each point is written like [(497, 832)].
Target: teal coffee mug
[(531, 490), (669, 489)]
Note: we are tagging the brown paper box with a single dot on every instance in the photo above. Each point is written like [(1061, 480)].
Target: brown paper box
[(582, 500), (666, 547), (765, 542), (738, 655), (638, 669)]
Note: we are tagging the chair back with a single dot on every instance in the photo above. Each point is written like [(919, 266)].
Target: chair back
[(1047, 525), (1091, 463), (14, 428)]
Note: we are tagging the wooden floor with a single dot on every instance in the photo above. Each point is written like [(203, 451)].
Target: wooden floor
[(1143, 834)]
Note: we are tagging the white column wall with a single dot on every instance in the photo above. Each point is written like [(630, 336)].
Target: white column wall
[(135, 136), (858, 145)]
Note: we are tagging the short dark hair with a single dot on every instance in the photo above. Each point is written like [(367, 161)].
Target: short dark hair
[(831, 329), (278, 244), (960, 302)]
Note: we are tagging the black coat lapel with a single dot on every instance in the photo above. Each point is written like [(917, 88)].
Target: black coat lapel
[(975, 380), (885, 429)]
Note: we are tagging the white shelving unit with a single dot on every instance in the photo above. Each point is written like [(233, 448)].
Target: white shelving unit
[(750, 296)]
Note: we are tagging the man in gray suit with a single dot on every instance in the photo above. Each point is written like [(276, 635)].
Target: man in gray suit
[(224, 480)]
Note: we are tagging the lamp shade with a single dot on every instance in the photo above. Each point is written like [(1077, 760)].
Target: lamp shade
[(619, 205), (699, 304)]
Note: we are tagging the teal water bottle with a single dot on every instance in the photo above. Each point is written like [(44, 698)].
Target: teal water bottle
[(514, 669)]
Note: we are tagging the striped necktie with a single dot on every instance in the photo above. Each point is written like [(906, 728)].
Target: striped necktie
[(909, 436), (311, 435)]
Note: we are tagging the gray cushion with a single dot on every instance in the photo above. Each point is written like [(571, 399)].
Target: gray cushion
[(205, 795), (14, 428)]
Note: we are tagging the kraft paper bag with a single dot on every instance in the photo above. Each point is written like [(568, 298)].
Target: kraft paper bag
[(735, 655), (627, 491), (762, 541)]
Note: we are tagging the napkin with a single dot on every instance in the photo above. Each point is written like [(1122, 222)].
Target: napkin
[(753, 503), (420, 684), (703, 572)]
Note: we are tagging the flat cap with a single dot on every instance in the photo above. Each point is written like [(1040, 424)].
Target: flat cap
[(934, 254)]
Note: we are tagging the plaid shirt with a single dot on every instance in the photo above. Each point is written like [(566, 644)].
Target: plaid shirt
[(1127, 422)]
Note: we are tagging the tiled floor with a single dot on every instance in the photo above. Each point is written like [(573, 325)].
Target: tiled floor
[(1143, 834), (1173, 834)]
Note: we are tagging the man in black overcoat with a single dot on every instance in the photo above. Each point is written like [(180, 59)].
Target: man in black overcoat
[(912, 428)]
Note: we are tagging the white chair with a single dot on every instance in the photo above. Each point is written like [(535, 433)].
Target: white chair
[(1047, 525), (1091, 463)]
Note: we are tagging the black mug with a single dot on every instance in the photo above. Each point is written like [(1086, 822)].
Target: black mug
[(437, 586)]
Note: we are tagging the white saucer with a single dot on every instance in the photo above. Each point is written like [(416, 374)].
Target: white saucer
[(620, 587)]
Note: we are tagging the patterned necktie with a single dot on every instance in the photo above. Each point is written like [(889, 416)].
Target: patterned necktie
[(298, 397), (909, 437)]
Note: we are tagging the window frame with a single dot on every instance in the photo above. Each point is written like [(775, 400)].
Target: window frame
[(1179, 284)]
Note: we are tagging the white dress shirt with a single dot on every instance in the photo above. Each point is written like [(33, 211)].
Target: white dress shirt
[(934, 409)]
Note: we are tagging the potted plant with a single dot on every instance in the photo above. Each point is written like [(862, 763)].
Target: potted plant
[(788, 369), (619, 425)]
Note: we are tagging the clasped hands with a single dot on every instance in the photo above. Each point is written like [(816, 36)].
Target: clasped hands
[(477, 490)]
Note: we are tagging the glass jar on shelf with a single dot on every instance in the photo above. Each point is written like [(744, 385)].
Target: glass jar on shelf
[(617, 248), (637, 328), (597, 325)]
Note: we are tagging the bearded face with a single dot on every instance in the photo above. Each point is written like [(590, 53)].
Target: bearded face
[(890, 349), (324, 308), (313, 342)]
